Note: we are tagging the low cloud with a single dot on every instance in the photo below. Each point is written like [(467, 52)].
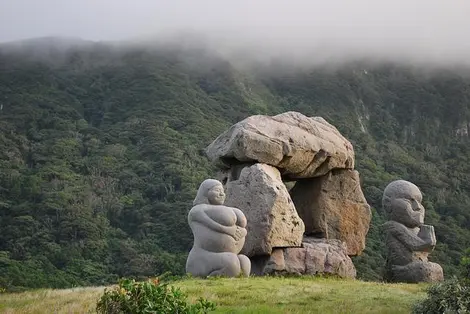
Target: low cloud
[(432, 31)]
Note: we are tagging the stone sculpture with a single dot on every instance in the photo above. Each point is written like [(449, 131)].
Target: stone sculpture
[(219, 235), (255, 158), (408, 240)]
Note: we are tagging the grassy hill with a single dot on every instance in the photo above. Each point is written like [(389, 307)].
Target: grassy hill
[(101, 150), (253, 295)]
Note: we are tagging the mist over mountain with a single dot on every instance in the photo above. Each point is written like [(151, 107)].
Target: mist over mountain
[(431, 32), (106, 107), (101, 147)]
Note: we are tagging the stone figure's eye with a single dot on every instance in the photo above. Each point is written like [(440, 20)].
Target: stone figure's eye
[(218, 190), (412, 199)]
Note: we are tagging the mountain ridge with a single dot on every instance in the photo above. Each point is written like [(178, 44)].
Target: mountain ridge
[(102, 151)]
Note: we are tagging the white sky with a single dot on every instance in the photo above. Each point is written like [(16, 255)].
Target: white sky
[(428, 29)]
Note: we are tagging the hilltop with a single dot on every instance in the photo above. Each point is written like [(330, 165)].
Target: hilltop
[(101, 149)]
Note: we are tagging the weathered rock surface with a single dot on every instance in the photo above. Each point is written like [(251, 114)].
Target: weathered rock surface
[(334, 207), (300, 146), (272, 219), (255, 155), (316, 256)]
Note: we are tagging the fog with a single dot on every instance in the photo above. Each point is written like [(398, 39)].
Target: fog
[(415, 30)]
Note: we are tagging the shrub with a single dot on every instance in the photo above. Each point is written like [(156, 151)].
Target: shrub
[(465, 264), (152, 296), (452, 296)]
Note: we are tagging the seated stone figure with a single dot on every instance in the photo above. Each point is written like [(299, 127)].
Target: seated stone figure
[(219, 235), (408, 240)]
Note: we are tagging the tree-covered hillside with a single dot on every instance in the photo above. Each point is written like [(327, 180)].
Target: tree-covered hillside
[(101, 150)]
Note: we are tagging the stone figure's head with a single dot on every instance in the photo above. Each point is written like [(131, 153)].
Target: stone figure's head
[(210, 192), (402, 203)]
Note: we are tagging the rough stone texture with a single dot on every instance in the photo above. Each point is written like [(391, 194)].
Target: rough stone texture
[(302, 147), (408, 240), (275, 263), (219, 235), (294, 260), (334, 207), (272, 219), (258, 263), (316, 256), (231, 174)]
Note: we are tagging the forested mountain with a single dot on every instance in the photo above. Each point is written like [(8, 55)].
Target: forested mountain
[(101, 150)]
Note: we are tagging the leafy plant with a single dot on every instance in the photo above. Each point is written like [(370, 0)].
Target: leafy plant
[(452, 296), (465, 264), (152, 296)]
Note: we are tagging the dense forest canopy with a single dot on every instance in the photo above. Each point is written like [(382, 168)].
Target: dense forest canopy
[(102, 150)]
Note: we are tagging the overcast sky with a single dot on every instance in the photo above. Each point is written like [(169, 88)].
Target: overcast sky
[(427, 28)]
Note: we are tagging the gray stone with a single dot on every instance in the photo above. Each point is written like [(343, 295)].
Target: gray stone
[(259, 192), (328, 257), (334, 207), (315, 257), (219, 235), (231, 174), (408, 240), (258, 263), (275, 263), (302, 147), (294, 260)]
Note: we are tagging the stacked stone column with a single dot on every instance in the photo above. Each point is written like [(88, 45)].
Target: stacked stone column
[(321, 221)]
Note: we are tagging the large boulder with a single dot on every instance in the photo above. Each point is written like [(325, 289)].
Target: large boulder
[(300, 146), (316, 256), (259, 192), (334, 207)]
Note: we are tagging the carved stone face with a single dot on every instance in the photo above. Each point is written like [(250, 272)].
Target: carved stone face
[(210, 192), (402, 202), (216, 195)]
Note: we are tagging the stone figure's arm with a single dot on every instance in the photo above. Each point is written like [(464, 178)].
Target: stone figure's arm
[(426, 232), (221, 215), (202, 217), (228, 216), (411, 240)]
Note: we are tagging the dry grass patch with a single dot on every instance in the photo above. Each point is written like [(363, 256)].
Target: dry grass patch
[(245, 295), (76, 300)]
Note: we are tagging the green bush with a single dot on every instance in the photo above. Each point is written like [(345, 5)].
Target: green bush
[(452, 296), (465, 264), (151, 296)]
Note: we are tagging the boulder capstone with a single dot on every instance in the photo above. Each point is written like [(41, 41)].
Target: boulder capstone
[(299, 146)]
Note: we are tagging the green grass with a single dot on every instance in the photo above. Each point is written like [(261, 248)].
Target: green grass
[(245, 295)]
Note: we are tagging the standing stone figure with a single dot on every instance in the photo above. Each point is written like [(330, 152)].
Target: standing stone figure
[(408, 240), (219, 235)]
